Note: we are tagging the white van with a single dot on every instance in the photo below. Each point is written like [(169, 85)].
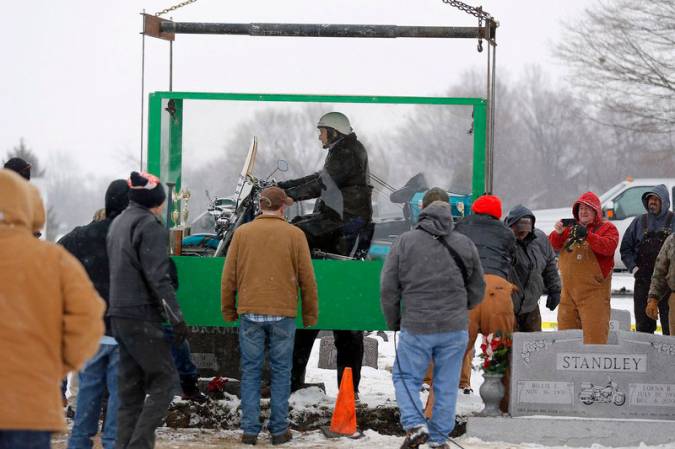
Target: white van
[(620, 204)]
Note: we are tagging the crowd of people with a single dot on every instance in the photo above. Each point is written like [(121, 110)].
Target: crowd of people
[(103, 303)]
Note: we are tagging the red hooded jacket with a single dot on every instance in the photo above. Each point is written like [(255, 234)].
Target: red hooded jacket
[(603, 237)]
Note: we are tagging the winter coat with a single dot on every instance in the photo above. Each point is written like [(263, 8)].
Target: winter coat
[(88, 245), (663, 279), (342, 185), (630, 244), (534, 269), (51, 315), (267, 262), (603, 237), (420, 273), (494, 241), (140, 285)]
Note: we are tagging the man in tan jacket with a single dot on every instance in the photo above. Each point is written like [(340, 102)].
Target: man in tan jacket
[(267, 262), (52, 320)]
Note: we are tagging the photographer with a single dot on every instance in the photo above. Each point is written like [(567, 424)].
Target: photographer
[(586, 262)]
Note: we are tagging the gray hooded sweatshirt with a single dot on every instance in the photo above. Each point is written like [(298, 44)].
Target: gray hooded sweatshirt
[(422, 290)]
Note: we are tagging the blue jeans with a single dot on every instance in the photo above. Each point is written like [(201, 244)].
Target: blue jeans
[(98, 373), (414, 353), (253, 338), (25, 439)]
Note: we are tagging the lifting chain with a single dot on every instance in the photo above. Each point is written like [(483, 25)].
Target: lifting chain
[(174, 7), (478, 12)]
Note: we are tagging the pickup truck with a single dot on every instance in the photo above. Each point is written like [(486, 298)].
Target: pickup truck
[(620, 204)]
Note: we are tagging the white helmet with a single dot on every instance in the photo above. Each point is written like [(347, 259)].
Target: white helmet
[(336, 120)]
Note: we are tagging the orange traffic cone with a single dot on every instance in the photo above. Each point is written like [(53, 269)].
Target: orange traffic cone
[(343, 422)]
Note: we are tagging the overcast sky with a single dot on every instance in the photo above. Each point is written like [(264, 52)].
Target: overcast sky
[(70, 85)]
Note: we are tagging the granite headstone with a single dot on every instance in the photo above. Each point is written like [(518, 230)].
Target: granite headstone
[(555, 374), (328, 353), (619, 320)]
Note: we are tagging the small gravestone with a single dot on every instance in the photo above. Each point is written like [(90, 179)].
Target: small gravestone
[(328, 353), (215, 351), (555, 374), (619, 320)]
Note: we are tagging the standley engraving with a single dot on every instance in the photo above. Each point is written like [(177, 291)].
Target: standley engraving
[(636, 363)]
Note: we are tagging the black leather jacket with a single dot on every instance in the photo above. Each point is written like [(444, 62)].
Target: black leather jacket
[(140, 285), (342, 185)]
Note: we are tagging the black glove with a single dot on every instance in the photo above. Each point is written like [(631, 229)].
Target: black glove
[(180, 333), (552, 301), (580, 231)]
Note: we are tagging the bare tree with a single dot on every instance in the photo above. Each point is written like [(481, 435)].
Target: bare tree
[(622, 59)]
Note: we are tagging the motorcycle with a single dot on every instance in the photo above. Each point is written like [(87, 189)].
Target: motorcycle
[(247, 196), (608, 394)]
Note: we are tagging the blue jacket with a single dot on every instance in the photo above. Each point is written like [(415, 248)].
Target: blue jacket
[(630, 243)]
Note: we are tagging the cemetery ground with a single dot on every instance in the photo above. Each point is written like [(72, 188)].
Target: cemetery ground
[(216, 425)]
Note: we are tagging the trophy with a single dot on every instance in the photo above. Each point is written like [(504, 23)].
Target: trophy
[(179, 217)]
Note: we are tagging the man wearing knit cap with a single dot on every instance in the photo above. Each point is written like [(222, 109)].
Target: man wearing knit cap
[(141, 298), (586, 263), (267, 263), (20, 166), (496, 245), (88, 244)]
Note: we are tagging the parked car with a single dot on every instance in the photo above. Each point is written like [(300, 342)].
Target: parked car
[(620, 204)]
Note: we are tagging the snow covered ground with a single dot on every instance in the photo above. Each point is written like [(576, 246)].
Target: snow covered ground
[(376, 389)]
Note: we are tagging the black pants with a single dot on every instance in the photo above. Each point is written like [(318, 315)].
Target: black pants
[(642, 322), (147, 381), (349, 345), (529, 321)]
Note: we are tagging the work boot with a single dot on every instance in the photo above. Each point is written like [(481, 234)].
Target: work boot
[(191, 391), (282, 438), (249, 439), (415, 437)]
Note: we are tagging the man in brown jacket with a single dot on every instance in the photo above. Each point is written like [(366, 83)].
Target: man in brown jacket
[(663, 283), (267, 262), (52, 320)]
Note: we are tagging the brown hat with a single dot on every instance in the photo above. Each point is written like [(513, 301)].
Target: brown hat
[(271, 198)]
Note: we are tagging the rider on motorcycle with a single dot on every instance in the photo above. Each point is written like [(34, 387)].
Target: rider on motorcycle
[(341, 224), (343, 212)]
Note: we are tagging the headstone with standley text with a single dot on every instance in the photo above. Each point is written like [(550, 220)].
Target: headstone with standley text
[(555, 374)]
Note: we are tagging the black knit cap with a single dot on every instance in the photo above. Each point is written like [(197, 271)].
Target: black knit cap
[(146, 190), (116, 198), (20, 166)]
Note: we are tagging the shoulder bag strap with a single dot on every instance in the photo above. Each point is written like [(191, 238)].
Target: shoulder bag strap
[(456, 257)]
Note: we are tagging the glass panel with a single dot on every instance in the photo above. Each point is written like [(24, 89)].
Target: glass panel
[(401, 140), (629, 203)]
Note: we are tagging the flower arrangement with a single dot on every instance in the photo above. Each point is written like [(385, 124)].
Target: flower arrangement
[(495, 351)]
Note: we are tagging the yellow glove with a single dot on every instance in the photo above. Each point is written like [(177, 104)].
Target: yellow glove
[(652, 309)]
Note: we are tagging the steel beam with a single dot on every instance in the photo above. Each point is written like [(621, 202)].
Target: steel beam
[(323, 30)]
